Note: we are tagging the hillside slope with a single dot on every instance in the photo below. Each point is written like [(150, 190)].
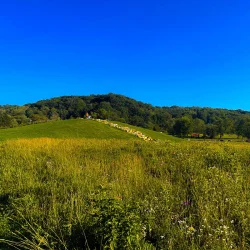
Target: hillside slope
[(153, 134), (78, 128), (75, 128)]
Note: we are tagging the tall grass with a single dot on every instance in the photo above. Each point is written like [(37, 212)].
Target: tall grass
[(117, 194)]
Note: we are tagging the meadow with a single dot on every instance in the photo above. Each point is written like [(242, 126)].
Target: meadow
[(74, 128), (124, 194)]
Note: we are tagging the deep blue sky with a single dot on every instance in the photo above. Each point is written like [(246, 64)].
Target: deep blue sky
[(163, 52)]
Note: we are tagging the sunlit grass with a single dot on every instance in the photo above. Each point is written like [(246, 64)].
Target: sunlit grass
[(75, 128), (91, 194)]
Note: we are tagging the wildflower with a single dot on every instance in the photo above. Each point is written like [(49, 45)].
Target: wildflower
[(181, 221), (191, 229), (186, 203)]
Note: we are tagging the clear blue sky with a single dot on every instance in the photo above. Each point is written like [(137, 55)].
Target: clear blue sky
[(163, 52)]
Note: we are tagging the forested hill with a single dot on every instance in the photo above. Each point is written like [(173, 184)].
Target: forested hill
[(174, 120)]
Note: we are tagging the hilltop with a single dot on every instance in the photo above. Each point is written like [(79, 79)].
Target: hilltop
[(174, 120)]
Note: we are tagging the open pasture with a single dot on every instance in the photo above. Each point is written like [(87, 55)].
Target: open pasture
[(123, 194), (74, 128)]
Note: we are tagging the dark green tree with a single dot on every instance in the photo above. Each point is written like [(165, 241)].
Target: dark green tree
[(211, 131), (182, 126), (220, 124), (199, 126)]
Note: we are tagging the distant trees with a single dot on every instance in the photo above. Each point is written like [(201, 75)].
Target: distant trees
[(239, 127), (220, 127), (211, 130), (243, 127), (182, 126), (180, 121), (53, 114), (161, 118), (6, 121), (199, 126), (246, 129)]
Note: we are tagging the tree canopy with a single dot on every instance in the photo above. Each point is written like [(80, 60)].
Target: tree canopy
[(174, 120)]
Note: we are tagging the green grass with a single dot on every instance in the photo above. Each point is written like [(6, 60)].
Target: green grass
[(229, 136), (74, 194), (109, 193), (153, 134), (77, 128)]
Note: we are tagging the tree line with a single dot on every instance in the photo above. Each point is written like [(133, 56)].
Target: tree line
[(180, 121)]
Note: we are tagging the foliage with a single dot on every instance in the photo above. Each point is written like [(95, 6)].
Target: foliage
[(182, 126), (116, 224), (120, 108), (198, 126), (243, 127), (211, 131)]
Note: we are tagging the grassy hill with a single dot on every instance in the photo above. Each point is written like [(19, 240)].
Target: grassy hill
[(75, 128), (153, 134)]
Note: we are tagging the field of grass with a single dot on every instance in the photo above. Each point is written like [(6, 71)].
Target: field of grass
[(230, 136), (124, 194), (75, 128)]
